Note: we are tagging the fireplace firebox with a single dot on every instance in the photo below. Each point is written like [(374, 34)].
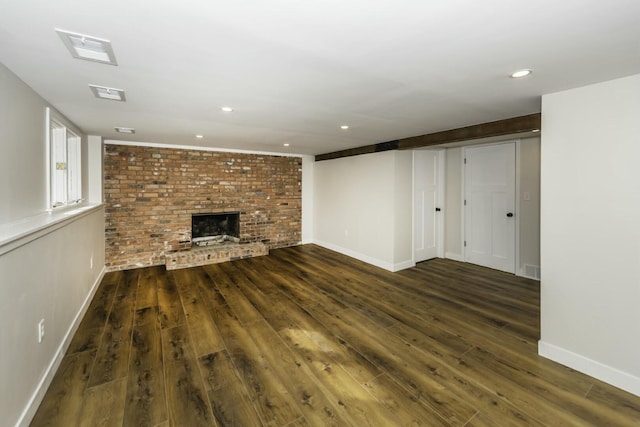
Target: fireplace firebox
[(215, 228)]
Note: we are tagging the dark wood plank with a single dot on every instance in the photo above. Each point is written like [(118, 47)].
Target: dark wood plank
[(271, 400), (112, 359), (317, 404), (231, 289), (170, 311), (89, 332), (227, 393), (103, 405), (147, 295), (146, 401), (206, 338), (289, 319), (399, 362), (63, 402), (356, 399), (541, 399), (404, 404), (187, 400), (623, 403)]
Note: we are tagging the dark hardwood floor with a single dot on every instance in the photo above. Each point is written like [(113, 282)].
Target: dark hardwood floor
[(308, 337)]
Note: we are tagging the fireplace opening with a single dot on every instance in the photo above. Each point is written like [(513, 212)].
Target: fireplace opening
[(215, 228)]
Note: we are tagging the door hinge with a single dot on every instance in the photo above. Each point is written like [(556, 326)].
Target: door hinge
[(465, 202), (465, 243), (465, 160)]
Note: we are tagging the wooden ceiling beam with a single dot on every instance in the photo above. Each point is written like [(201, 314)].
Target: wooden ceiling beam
[(504, 127), (367, 149)]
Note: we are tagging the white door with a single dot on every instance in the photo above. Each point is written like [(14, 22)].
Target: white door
[(490, 225), (428, 174)]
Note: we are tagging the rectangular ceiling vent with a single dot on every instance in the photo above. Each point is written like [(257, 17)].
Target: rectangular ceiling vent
[(88, 47), (109, 93), (125, 130)]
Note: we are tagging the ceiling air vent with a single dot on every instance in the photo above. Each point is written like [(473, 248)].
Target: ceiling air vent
[(88, 47), (110, 93)]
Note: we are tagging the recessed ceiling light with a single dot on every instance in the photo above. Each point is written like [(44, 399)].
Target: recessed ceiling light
[(88, 47), (344, 127), (125, 130), (199, 136), (285, 144), (108, 93), (227, 109), (521, 73)]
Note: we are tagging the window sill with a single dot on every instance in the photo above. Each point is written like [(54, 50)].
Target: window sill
[(19, 233)]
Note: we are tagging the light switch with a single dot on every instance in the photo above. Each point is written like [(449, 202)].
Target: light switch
[(526, 196)]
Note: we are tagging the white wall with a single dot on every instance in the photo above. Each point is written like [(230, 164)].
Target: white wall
[(22, 158), (95, 150), (361, 204), (590, 247), (529, 203), (403, 210), (45, 260)]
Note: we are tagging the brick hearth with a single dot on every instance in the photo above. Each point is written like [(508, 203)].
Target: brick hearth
[(196, 257)]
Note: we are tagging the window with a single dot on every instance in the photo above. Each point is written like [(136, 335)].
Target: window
[(64, 164)]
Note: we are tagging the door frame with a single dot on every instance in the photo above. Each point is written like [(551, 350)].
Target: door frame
[(516, 267), (440, 219)]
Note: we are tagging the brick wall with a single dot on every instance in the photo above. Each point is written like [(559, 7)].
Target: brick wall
[(151, 193)]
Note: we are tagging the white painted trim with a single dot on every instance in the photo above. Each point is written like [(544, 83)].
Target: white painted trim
[(18, 233), (36, 398), (516, 255), (463, 206), (198, 148), (410, 263), (366, 258), (615, 377), (455, 257), (442, 176), (47, 150), (413, 206)]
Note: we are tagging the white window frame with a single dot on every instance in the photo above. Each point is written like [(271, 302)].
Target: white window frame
[(64, 163)]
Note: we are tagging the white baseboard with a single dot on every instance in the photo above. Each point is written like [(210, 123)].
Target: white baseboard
[(403, 265), (453, 256), (36, 398), (613, 376), (366, 258)]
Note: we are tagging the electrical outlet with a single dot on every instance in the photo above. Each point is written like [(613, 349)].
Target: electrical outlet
[(40, 330)]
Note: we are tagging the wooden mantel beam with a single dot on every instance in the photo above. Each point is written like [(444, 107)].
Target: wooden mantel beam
[(504, 127)]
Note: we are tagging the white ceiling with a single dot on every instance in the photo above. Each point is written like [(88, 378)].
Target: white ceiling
[(295, 70)]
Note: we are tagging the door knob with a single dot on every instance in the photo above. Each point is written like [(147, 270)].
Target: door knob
[(437, 209), (509, 215)]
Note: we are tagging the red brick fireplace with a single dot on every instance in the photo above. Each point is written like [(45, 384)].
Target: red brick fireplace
[(151, 194)]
